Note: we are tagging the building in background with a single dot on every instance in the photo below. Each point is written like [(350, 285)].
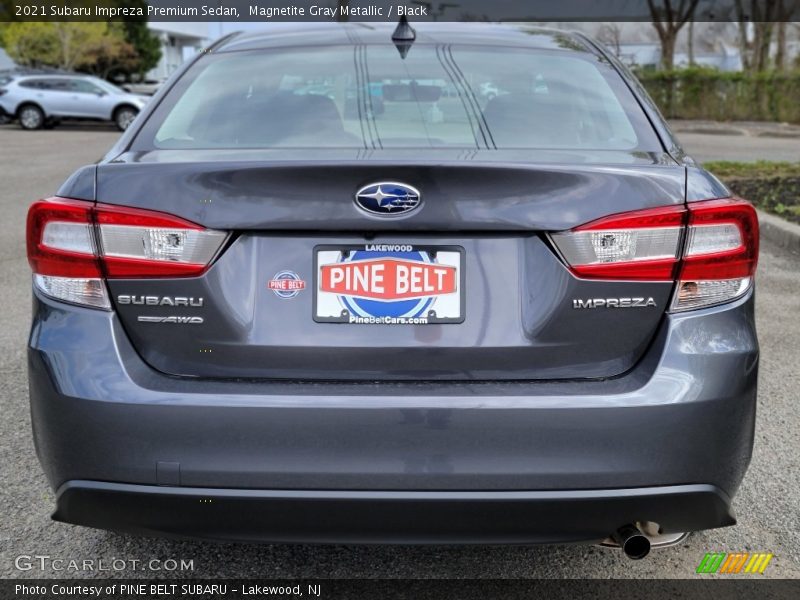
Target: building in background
[(179, 41), (723, 56), (6, 63)]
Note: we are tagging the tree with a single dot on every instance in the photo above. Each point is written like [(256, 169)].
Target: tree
[(786, 10), (668, 21), (120, 48), (31, 44), (610, 34), (756, 26), (110, 54), (66, 45), (145, 44)]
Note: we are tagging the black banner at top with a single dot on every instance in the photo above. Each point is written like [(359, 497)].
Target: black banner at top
[(391, 10)]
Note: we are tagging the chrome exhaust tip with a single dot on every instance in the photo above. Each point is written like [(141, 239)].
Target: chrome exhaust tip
[(652, 531)]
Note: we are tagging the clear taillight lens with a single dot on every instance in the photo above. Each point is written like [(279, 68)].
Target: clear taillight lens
[(699, 294), (74, 244), (710, 247), (75, 290), (640, 245), (138, 243)]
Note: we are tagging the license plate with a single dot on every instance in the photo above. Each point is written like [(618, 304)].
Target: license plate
[(389, 284)]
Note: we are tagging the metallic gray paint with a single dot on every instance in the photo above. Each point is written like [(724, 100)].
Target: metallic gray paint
[(684, 414), (317, 194)]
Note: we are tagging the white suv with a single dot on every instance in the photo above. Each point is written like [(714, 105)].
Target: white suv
[(44, 100)]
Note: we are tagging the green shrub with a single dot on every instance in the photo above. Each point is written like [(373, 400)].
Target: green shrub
[(771, 186), (706, 93)]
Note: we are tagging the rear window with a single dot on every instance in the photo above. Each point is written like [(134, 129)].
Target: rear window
[(370, 97)]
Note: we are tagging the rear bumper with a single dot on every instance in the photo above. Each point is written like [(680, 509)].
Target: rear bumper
[(453, 461), (395, 516)]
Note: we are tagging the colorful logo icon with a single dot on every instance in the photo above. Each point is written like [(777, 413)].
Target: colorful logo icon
[(388, 284), (735, 562), (286, 284)]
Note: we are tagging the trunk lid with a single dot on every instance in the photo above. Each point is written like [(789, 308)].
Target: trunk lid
[(488, 212)]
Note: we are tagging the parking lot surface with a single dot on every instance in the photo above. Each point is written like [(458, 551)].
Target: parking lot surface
[(33, 164)]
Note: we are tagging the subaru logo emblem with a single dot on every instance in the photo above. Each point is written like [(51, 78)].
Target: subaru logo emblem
[(388, 198)]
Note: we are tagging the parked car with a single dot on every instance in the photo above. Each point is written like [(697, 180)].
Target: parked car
[(5, 118), (146, 87), (37, 101), (531, 321), (490, 90)]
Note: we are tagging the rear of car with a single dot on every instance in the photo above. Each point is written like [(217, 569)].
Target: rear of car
[(327, 290)]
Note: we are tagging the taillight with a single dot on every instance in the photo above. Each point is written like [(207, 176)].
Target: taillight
[(137, 243), (74, 244), (640, 245), (721, 253), (710, 247)]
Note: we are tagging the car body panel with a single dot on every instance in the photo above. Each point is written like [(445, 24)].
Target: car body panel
[(263, 191), (508, 333), (369, 517), (684, 414), (516, 328)]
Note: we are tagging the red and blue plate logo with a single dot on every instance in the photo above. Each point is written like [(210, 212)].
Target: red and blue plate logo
[(286, 284), (391, 284)]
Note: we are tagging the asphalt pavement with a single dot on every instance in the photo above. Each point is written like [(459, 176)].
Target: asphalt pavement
[(705, 147), (33, 164)]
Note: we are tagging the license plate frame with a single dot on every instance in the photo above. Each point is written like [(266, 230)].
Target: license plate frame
[(345, 315)]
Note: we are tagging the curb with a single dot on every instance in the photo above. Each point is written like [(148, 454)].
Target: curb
[(780, 232), (736, 128)]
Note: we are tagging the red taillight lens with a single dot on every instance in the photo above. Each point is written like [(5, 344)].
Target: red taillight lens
[(73, 244), (62, 252), (711, 247), (721, 253), (60, 238), (722, 241)]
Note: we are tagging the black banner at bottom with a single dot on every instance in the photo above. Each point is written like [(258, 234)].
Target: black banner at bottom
[(346, 589)]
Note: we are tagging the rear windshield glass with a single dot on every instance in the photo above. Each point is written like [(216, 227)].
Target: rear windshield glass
[(371, 97)]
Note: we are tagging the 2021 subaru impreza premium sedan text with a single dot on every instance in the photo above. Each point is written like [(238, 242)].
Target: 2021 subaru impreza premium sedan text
[(324, 289)]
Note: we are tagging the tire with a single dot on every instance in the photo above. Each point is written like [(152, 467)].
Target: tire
[(124, 116), (31, 117)]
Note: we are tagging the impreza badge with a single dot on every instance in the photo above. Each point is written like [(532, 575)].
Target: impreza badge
[(614, 303)]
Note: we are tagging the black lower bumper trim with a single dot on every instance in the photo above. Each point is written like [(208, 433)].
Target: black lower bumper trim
[(517, 517)]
